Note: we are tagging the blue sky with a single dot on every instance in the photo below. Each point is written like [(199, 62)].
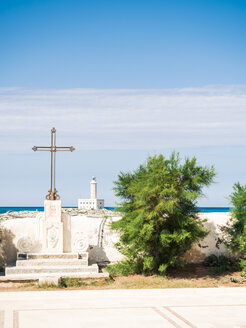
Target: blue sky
[(122, 44), (120, 80)]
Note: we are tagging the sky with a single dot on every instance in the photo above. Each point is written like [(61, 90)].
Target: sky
[(120, 81)]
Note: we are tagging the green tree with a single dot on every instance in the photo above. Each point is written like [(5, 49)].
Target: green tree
[(160, 221), (235, 230)]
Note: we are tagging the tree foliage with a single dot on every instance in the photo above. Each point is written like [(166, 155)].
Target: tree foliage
[(160, 221), (235, 231)]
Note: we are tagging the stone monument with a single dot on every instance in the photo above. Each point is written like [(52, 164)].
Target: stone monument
[(53, 225), (53, 257)]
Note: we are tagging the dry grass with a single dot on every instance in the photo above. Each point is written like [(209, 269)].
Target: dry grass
[(188, 277)]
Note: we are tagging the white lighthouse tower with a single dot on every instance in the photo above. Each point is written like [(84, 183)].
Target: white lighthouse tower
[(93, 203), (93, 188)]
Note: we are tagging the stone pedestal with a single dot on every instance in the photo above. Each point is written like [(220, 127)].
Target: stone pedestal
[(52, 227), (54, 259)]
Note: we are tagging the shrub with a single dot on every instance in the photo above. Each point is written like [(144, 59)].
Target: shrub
[(235, 230), (234, 279), (211, 261), (160, 221), (123, 268), (222, 263), (243, 267)]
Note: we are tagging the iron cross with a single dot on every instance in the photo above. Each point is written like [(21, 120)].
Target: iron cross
[(53, 195)]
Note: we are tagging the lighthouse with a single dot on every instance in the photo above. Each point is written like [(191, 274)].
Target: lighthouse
[(93, 188), (92, 203)]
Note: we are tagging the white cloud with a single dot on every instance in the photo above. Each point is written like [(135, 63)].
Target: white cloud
[(123, 119)]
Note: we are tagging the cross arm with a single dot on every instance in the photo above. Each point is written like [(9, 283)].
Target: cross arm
[(36, 148), (65, 148), (53, 148)]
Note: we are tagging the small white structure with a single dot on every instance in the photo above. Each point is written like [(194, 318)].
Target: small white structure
[(93, 203)]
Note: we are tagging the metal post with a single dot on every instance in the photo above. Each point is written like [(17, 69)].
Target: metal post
[(54, 170), (51, 166)]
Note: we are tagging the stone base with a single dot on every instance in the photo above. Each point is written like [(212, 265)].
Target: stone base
[(61, 256), (37, 277), (52, 266)]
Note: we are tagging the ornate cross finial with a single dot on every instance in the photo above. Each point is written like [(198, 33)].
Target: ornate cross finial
[(53, 195)]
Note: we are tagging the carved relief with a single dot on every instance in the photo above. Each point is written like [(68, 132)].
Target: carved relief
[(52, 233), (52, 211), (80, 243), (24, 244)]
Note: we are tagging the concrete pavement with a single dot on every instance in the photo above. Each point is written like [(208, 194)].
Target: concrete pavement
[(152, 308)]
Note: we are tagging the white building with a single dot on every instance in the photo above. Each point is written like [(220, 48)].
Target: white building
[(93, 202)]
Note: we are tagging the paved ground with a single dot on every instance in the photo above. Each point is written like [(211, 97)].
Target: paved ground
[(153, 308)]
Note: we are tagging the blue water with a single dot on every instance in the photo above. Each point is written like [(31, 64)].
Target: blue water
[(38, 208), (27, 208), (214, 209)]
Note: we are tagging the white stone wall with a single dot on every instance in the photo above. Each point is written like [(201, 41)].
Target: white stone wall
[(87, 233), (212, 244), (93, 233)]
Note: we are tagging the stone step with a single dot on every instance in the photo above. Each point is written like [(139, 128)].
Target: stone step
[(36, 256), (52, 262), (33, 276), (47, 269)]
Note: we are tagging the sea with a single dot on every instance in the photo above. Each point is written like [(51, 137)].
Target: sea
[(40, 208)]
